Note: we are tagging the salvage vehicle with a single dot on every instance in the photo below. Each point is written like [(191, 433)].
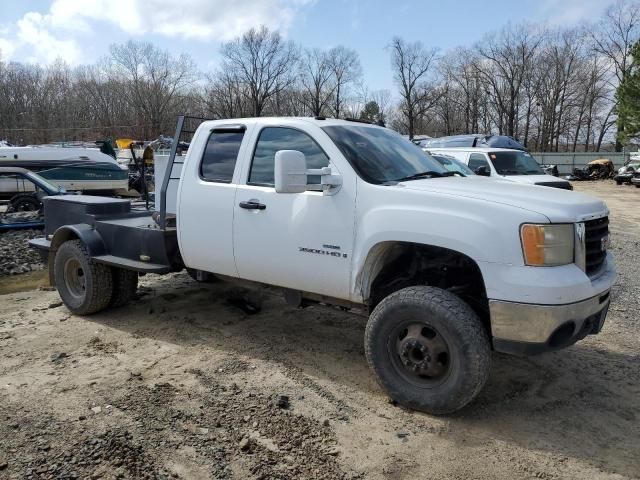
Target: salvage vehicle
[(341, 212), (627, 172), (27, 189), (24, 209)]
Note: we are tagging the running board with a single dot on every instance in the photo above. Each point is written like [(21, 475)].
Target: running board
[(128, 264)]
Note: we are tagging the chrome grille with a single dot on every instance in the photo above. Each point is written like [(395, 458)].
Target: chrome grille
[(596, 236)]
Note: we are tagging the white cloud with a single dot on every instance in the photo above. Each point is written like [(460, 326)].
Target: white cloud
[(6, 49), (60, 32), (33, 32)]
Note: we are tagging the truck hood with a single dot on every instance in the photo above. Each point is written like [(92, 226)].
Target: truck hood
[(533, 179), (556, 204)]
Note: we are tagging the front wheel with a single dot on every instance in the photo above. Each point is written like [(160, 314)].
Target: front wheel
[(84, 286), (428, 349)]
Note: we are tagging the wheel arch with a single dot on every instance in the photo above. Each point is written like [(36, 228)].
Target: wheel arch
[(393, 265), (85, 233)]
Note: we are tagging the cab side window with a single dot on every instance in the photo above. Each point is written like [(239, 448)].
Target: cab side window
[(273, 139), (220, 155), (477, 160)]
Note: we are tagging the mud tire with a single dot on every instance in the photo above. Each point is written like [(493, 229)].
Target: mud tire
[(84, 286), (469, 349)]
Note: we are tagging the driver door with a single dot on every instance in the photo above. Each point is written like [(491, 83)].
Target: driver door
[(299, 241)]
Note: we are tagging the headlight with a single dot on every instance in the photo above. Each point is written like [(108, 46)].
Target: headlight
[(547, 245)]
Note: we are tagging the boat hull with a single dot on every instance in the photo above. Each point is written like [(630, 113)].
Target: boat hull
[(74, 169)]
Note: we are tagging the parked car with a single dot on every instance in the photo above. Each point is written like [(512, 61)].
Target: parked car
[(510, 164), (25, 208), (27, 189), (343, 213), (626, 173)]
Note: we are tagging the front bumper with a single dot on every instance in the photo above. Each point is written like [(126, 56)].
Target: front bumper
[(623, 177), (527, 329)]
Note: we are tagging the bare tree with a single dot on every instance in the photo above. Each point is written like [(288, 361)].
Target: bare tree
[(549, 89), (616, 33), (506, 62), (154, 79), (316, 80), (225, 96), (346, 68), (263, 62), (613, 38), (383, 100), (411, 63)]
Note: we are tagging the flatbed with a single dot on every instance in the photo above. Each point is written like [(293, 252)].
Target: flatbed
[(113, 232)]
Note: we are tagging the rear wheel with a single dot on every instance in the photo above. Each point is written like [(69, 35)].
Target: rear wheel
[(428, 349), (24, 203), (84, 286), (125, 284)]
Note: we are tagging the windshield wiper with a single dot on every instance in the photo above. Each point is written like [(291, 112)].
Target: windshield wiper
[(427, 174), (506, 171)]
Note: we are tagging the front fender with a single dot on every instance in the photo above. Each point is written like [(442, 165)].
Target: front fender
[(480, 230)]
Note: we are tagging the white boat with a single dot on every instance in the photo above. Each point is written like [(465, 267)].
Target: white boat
[(73, 168)]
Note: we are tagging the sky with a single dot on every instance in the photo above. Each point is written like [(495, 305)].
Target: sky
[(80, 31)]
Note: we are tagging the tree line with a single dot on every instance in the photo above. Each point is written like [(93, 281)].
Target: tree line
[(551, 89)]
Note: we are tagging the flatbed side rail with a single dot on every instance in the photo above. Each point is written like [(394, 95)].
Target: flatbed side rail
[(185, 129)]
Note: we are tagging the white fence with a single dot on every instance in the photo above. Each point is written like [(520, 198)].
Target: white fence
[(566, 162)]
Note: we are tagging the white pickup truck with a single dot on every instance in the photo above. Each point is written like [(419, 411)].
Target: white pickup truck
[(506, 163), (339, 212)]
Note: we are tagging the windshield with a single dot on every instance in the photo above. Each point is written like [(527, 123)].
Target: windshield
[(44, 184), (380, 155), (453, 165), (515, 162)]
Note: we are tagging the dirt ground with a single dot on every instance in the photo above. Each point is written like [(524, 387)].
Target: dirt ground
[(183, 384)]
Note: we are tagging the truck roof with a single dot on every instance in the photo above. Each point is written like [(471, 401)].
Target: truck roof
[(319, 121), (471, 149), (14, 170)]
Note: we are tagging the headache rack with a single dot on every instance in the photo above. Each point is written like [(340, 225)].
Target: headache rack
[(185, 129)]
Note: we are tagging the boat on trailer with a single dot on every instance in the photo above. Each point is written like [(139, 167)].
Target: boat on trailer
[(73, 168)]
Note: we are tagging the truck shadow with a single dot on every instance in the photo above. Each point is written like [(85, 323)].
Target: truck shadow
[(582, 402)]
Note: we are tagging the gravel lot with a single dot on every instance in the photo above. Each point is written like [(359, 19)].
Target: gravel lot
[(183, 384), (15, 255)]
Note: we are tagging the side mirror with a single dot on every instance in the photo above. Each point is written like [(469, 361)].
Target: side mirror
[(483, 171), (290, 171)]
